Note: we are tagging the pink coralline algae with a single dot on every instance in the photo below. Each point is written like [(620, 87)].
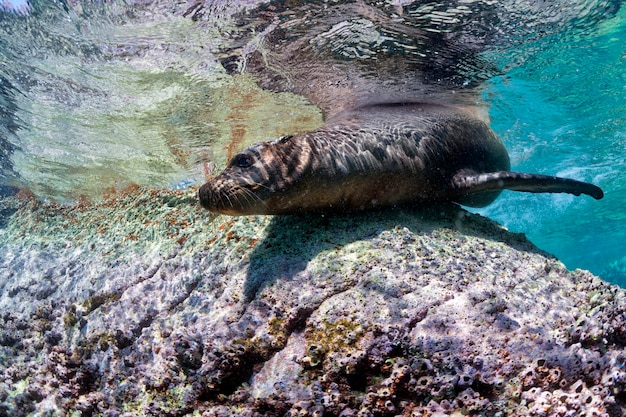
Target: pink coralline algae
[(145, 305)]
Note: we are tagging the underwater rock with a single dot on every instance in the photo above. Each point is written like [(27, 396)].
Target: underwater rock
[(146, 305)]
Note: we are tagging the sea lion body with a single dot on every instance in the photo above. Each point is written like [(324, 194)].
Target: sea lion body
[(376, 156)]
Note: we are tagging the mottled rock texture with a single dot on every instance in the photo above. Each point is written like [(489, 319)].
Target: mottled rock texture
[(146, 305)]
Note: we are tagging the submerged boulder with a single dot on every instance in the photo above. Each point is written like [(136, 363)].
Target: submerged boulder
[(145, 304)]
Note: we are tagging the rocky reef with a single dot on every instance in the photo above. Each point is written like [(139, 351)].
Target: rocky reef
[(144, 304)]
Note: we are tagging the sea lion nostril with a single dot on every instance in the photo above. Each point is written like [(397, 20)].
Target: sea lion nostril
[(204, 195)]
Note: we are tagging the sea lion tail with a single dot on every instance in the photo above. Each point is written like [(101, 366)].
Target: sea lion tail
[(469, 182)]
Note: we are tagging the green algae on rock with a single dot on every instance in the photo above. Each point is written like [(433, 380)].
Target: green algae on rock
[(145, 305)]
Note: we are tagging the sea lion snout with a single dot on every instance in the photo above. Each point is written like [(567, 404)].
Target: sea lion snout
[(241, 188), (223, 195), (206, 196)]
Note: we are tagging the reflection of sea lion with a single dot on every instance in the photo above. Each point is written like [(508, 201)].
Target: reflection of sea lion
[(376, 156)]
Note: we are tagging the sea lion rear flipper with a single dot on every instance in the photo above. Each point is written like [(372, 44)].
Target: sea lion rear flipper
[(471, 182)]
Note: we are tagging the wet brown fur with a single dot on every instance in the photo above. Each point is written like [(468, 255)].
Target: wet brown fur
[(376, 156)]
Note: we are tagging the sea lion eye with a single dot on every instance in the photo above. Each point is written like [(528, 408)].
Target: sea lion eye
[(242, 160)]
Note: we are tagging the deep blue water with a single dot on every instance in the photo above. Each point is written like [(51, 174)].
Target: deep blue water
[(100, 94)]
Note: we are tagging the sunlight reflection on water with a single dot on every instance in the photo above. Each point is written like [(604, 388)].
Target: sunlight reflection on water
[(98, 95)]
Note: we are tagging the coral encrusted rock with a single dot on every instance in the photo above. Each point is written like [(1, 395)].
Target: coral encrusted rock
[(146, 305)]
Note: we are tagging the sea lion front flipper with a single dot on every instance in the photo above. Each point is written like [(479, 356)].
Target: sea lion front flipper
[(468, 182)]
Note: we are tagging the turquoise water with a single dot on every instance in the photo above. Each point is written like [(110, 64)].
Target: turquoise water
[(563, 112), (98, 95)]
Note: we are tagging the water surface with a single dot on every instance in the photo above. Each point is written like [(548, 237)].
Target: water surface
[(98, 95)]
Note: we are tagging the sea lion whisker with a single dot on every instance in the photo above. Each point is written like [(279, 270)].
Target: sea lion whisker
[(258, 184), (243, 193), (227, 198), (254, 196)]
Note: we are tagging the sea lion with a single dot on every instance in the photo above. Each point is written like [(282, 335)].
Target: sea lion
[(377, 156)]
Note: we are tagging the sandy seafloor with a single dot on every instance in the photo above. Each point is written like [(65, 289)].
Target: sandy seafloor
[(145, 304)]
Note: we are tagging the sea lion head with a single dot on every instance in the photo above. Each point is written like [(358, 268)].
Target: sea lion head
[(252, 178)]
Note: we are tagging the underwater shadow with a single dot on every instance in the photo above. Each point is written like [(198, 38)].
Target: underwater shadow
[(292, 241)]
